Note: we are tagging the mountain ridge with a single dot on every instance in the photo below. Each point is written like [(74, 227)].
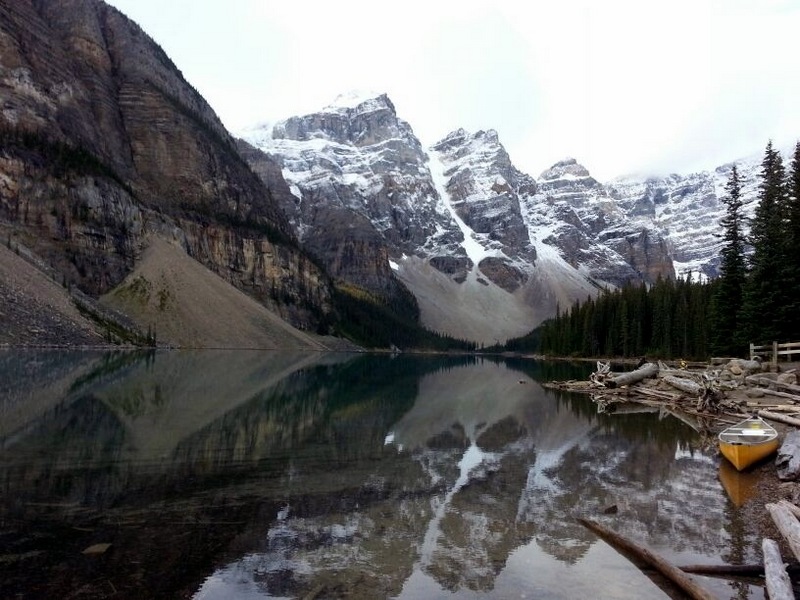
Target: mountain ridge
[(493, 222), (489, 220)]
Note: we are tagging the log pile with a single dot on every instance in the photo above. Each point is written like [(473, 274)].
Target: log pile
[(723, 393)]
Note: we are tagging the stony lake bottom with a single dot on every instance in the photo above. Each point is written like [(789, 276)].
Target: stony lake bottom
[(245, 474)]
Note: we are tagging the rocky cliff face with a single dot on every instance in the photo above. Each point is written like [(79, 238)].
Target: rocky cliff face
[(362, 192), (686, 209), (594, 230), (484, 192), (105, 142)]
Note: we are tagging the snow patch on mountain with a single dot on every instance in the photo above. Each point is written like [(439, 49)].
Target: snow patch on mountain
[(361, 100), (473, 248)]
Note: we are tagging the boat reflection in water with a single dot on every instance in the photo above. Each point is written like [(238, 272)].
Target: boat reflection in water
[(741, 487), (256, 475)]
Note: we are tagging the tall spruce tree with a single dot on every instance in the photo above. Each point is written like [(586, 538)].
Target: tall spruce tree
[(726, 334), (765, 294), (793, 249)]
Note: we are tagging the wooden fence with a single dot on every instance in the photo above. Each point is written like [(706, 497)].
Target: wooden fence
[(774, 350)]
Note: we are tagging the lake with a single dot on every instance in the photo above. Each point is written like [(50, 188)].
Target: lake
[(245, 474)]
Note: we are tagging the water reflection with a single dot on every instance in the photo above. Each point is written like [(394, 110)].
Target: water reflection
[(261, 475)]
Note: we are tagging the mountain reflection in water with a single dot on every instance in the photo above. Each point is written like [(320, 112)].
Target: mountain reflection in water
[(223, 474)]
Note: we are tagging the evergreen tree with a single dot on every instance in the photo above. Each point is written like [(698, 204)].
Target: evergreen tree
[(764, 297), (725, 331), (793, 248)]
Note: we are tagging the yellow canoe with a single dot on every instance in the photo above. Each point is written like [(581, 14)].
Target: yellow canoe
[(748, 442)]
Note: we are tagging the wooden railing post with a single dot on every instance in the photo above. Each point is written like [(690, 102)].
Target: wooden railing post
[(774, 357), (752, 351)]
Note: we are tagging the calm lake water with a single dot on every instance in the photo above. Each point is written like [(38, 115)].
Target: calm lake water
[(222, 474)]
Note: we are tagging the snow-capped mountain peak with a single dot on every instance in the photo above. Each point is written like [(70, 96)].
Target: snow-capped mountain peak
[(362, 100), (569, 168)]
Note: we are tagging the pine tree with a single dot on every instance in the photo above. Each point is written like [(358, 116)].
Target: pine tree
[(793, 247), (764, 306), (725, 329)]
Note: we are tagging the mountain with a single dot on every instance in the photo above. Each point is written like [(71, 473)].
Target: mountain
[(686, 209), (105, 147), (487, 251), (365, 188)]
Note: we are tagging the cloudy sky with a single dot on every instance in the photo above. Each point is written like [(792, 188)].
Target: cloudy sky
[(623, 86)]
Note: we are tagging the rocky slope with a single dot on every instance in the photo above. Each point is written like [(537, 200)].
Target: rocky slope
[(104, 142), (35, 310), (187, 305)]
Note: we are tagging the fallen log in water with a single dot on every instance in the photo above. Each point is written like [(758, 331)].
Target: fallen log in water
[(724, 570), (787, 524), (667, 569), (793, 569), (779, 586), (644, 372), (736, 570)]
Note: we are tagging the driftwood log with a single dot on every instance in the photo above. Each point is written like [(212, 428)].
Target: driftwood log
[(769, 392), (646, 371), (769, 382), (667, 569), (787, 524), (767, 414), (788, 461), (779, 586), (792, 508), (751, 366), (683, 384)]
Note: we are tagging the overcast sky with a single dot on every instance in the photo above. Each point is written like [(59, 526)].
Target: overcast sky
[(623, 86)]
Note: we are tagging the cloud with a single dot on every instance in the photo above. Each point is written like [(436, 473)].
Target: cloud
[(621, 85)]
